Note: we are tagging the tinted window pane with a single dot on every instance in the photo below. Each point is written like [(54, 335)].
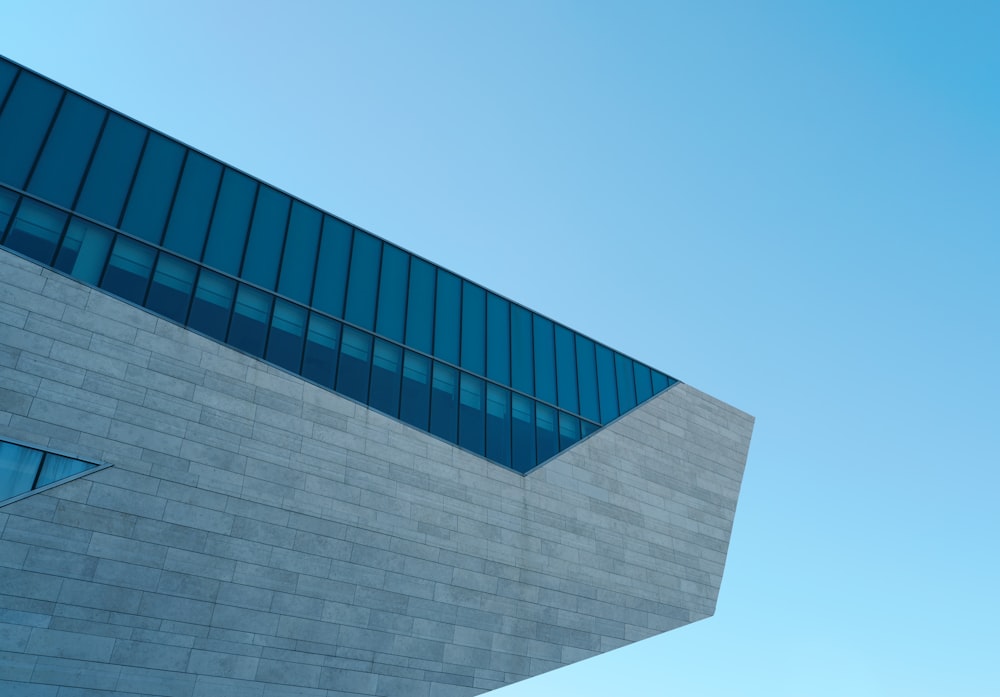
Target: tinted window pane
[(67, 151), (129, 269), (387, 365), (566, 368), (521, 367), (548, 440), (7, 73), (473, 328), (267, 237), (331, 271), (35, 231), (661, 382), (607, 385), (8, 200), (414, 406), (523, 433), (322, 345), (355, 363), (213, 299), (420, 306), (287, 337), (23, 124), (362, 284), (497, 339), (545, 360), (84, 251), (392, 293), (586, 428), (170, 291), (444, 402), (626, 382), (301, 246), (57, 467), (230, 222), (498, 424), (446, 316), (110, 174), (569, 430), (192, 209), (643, 383), (18, 467), (153, 190), (251, 316), (471, 424), (587, 378)]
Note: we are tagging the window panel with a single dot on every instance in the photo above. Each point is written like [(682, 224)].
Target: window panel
[(473, 328), (387, 365), (392, 293), (106, 185), (661, 382), (251, 316), (287, 337), (498, 424), (414, 403), (446, 316), (23, 124), (57, 467), (362, 280), (8, 199), (497, 339), (586, 372), (626, 382), (213, 299), (586, 428), (522, 433), (355, 364), (420, 306), (67, 151), (606, 383), (129, 269), (35, 231), (84, 251), (153, 190), (566, 369), (298, 264), (172, 286), (471, 415), (331, 273), (18, 467), (521, 366), (267, 237), (230, 222), (545, 360), (7, 74), (546, 433), (569, 430), (643, 383), (444, 402), (192, 207), (319, 362)]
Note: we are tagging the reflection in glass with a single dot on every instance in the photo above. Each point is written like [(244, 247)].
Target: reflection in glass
[(643, 383), (355, 364), (213, 299), (56, 467), (35, 231), (331, 272), (153, 189), (523, 433), (192, 207), (67, 150), (362, 283), (566, 369), (230, 222), (392, 293), (626, 383), (497, 339), (446, 316), (607, 385), (23, 124), (545, 360), (473, 328), (106, 186), (128, 270), (18, 467), (84, 251), (414, 404), (8, 200), (471, 434), (170, 291), (587, 378), (285, 342), (267, 235), (569, 430), (420, 306), (319, 362), (298, 263), (498, 424), (444, 402), (521, 367), (248, 327), (387, 360), (548, 440)]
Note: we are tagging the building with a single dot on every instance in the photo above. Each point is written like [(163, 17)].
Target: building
[(247, 448)]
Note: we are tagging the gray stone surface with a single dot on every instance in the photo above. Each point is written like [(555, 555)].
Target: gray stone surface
[(258, 533)]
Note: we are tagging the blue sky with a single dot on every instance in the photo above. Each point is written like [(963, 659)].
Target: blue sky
[(793, 206)]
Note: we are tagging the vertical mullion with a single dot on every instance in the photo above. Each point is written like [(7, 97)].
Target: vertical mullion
[(90, 160), (10, 90), (277, 280), (173, 199), (131, 184), (45, 140), (246, 237), (211, 217)]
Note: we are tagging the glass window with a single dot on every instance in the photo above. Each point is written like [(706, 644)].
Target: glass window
[(586, 428), (192, 208), (566, 369), (523, 433), (444, 402), (230, 222), (298, 264), (67, 151), (319, 362), (213, 298), (8, 200), (607, 385), (287, 337), (129, 269), (35, 231), (362, 281), (473, 328), (521, 366), (251, 315), (643, 383), (331, 270), (18, 467), (545, 360), (471, 415), (387, 365), (392, 293), (548, 440), (414, 403), (626, 382), (172, 286), (355, 364), (446, 316), (7, 74), (498, 424), (23, 125), (56, 467), (110, 174), (420, 306), (153, 190), (497, 339), (569, 430), (84, 251), (661, 382), (267, 237), (586, 371)]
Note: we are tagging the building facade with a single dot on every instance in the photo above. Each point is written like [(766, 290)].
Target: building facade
[(248, 448)]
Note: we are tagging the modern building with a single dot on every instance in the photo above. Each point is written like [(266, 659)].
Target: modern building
[(247, 448)]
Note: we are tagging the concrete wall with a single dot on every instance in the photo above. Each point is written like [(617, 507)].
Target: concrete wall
[(258, 535)]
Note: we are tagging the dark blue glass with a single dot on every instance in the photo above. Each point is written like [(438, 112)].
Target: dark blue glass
[(521, 366), (471, 414), (172, 287), (8, 199), (230, 222), (331, 270), (498, 424), (301, 247), (18, 469), (566, 368), (362, 282), (415, 396), (129, 269), (67, 151), (192, 208), (569, 430), (626, 382), (213, 299), (643, 383), (287, 337), (446, 316), (522, 433), (586, 372), (546, 431), (497, 339), (35, 231), (355, 364), (153, 190), (251, 317), (319, 362), (444, 402), (84, 250), (586, 428), (23, 124), (387, 366), (473, 328), (7, 73), (420, 306), (267, 237), (661, 382), (110, 175), (392, 293), (545, 360), (607, 384)]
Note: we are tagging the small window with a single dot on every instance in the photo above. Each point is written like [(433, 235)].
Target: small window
[(213, 298), (387, 365), (84, 251), (129, 269), (24, 469), (286, 340), (319, 362), (170, 291), (23, 124), (251, 316), (35, 231)]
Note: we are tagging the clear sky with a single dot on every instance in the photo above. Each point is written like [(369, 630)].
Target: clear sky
[(793, 206)]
